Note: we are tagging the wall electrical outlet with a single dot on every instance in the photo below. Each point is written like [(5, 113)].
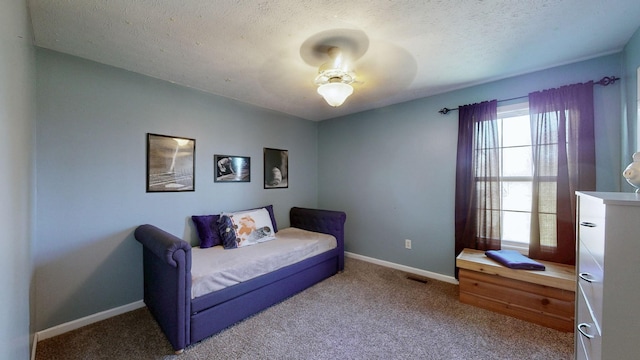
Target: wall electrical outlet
[(407, 244)]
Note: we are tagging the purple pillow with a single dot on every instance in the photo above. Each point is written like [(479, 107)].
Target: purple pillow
[(207, 226), (273, 218)]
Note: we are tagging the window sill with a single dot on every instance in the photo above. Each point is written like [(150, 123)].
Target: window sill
[(517, 246)]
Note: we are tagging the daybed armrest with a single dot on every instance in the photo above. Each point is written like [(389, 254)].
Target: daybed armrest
[(167, 282), (161, 243), (324, 221)]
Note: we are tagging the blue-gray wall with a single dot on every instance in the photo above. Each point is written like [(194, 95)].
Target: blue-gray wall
[(630, 102), (393, 169), (17, 119), (390, 169), (92, 122)]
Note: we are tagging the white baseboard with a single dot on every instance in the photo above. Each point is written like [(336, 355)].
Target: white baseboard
[(87, 320), (407, 269), (33, 346)]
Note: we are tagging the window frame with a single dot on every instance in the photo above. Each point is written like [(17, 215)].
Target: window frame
[(517, 109)]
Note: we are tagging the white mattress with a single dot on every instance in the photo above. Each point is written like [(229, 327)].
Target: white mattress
[(215, 268)]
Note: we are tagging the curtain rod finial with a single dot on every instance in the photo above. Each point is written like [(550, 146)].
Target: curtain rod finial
[(444, 111), (608, 80)]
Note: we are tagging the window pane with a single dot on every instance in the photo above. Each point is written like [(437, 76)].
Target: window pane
[(516, 161), (516, 131), (516, 195), (547, 197), (548, 121), (548, 232), (488, 194), (516, 171), (480, 162), (488, 224), (548, 160), (487, 162), (516, 226)]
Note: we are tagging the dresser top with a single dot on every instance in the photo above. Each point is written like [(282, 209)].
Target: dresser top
[(613, 198)]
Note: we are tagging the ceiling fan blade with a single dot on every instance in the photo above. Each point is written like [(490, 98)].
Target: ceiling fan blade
[(281, 75), (384, 70)]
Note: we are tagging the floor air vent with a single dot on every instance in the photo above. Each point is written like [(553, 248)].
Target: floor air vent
[(417, 278)]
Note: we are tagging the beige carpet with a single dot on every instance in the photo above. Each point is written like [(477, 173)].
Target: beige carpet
[(366, 312)]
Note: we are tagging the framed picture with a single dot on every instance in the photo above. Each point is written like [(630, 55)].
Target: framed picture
[(170, 163), (276, 168), (229, 168)]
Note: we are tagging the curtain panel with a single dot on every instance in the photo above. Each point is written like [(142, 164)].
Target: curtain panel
[(563, 142), (477, 202)]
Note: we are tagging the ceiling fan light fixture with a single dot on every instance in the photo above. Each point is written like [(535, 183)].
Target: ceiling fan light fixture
[(334, 79), (335, 93)]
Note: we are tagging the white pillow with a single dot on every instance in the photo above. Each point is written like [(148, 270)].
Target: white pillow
[(251, 226)]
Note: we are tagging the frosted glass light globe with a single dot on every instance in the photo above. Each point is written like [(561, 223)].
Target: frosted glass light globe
[(335, 93)]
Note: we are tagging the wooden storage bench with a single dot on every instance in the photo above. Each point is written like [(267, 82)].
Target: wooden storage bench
[(544, 297)]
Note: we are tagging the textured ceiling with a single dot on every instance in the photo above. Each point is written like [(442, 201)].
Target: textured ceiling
[(258, 52)]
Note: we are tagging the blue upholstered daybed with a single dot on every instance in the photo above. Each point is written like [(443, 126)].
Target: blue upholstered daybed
[(185, 319)]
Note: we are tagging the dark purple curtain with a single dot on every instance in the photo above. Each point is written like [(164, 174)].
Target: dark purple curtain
[(563, 140), (477, 204)]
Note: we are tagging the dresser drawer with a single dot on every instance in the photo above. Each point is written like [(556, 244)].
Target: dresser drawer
[(581, 352), (591, 340), (591, 208), (591, 236), (590, 276)]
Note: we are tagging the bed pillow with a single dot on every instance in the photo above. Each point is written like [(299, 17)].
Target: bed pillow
[(273, 218), (245, 228), (207, 227), (226, 232)]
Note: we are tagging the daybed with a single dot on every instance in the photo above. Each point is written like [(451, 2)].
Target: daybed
[(168, 262)]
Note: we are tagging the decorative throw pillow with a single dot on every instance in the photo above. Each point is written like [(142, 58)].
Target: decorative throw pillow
[(273, 218), (207, 227), (245, 228), (227, 232)]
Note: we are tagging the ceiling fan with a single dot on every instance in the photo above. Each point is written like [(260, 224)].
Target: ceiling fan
[(337, 50), (378, 70), (345, 59), (334, 78)]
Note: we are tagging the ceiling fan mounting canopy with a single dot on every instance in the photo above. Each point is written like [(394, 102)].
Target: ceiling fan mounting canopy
[(352, 44)]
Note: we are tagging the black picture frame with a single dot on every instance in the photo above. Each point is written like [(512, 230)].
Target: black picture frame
[(231, 168), (276, 168), (170, 163)]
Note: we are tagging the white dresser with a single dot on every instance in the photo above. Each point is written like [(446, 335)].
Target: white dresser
[(608, 270)]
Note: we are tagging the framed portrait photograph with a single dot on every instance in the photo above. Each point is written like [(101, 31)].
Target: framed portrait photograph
[(230, 168), (170, 163), (276, 168)]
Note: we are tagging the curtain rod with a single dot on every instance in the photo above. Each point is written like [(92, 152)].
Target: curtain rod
[(607, 80)]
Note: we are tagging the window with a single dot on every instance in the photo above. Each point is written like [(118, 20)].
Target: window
[(516, 172), (513, 193)]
